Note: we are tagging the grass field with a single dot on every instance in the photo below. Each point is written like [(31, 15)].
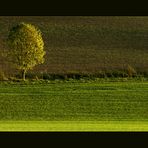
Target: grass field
[(61, 106)]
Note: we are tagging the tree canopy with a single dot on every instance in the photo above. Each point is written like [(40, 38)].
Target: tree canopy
[(26, 47)]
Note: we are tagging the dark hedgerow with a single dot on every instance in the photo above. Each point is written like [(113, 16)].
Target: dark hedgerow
[(78, 75)]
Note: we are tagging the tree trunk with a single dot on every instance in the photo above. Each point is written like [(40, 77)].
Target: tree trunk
[(23, 74)]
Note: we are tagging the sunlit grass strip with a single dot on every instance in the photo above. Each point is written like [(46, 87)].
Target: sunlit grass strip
[(73, 126)]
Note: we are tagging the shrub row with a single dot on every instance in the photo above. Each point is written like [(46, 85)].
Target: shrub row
[(76, 75), (128, 72)]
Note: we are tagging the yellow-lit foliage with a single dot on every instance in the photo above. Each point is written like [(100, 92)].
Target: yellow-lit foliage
[(26, 46)]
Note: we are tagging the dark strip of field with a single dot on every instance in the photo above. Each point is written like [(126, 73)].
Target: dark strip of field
[(85, 44)]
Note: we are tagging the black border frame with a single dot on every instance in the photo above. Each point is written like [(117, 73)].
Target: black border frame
[(74, 7), (65, 8)]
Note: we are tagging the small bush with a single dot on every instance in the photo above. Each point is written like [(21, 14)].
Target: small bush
[(100, 74), (46, 76), (119, 73), (144, 74), (131, 71), (2, 76), (14, 79), (31, 75), (73, 75)]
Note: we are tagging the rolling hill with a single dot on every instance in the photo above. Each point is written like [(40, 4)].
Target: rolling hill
[(85, 44)]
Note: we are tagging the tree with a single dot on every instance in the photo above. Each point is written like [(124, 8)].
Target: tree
[(26, 47)]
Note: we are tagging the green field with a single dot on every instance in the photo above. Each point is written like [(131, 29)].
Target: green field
[(67, 106)]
